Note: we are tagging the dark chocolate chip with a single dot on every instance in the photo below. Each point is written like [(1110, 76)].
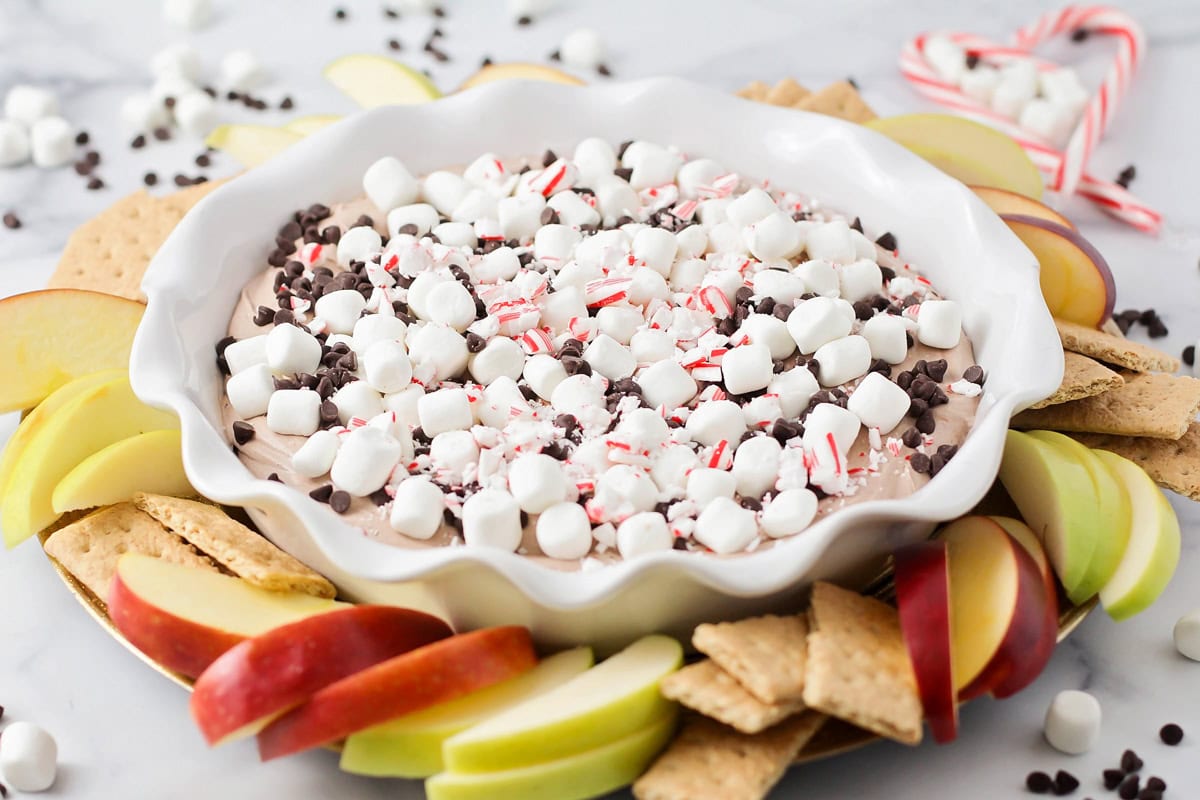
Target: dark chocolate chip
[(328, 411), (782, 311), (917, 407), (936, 369), (1130, 761), (624, 173), (783, 431), (339, 501), (926, 423), (856, 225), (83, 168), (524, 20), (1037, 782), (162, 133), (1156, 784), (380, 497), (912, 438), (1065, 782), (974, 374), (972, 60), (1126, 176), (1113, 778), (82, 138), (603, 70), (287, 103), (921, 463), (475, 342), (1171, 734), (555, 56), (150, 178), (138, 142), (12, 221), (225, 342), (1128, 790), (322, 493), (339, 14), (391, 13), (243, 432), (1080, 35), (92, 157), (1189, 355), (94, 184)]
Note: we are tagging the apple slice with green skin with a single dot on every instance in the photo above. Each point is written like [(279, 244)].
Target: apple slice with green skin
[(593, 773), (1057, 498), (56, 335), (184, 618), (922, 581), (1002, 201), (149, 462), (1024, 536), (251, 145), (522, 72), (254, 682), (373, 81), (96, 418), (1153, 552), (411, 746), (425, 677), (1076, 281), (972, 152), (310, 124), (611, 700)]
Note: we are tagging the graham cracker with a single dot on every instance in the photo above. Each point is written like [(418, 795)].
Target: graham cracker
[(858, 666), (786, 93), (839, 100), (710, 760), (91, 547), (1172, 463), (1082, 377), (1153, 405), (1114, 349), (242, 551), (766, 655), (110, 252), (707, 688), (755, 90)]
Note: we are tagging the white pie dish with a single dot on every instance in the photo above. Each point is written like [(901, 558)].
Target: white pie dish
[(956, 241)]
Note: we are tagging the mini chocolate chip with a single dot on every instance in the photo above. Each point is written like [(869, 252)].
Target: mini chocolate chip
[(1171, 734), (603, 70), (162, 133), (1128, 790), (243, 432), (556, 450), (223, 343), (339, 501), (12, 221), (782, 311), (926, 423), (557, 56), (339, 14), (882, 367), (380, 497), (82, 138), (549, 216), (138, 142), (936, 369), (917, 407), (82, 168), (974, 374), (3, 790), (150, 178), (486, 62), (328, 411), (92, 157), (1130, 761), (920, 463), (284, 383), (912, 438), (863, 310), (909, 341), (1156, 784), (204, 160), (322, 493), (391, 13), (1037, 782), (1080, 35), (1065, 782), (287, 103), (94, 184), (284, 316), (783, 431), (1149, 794), (1189, 355), (904, 380), (475, 342), (624, 173), (1113, 778), (1126, 176)]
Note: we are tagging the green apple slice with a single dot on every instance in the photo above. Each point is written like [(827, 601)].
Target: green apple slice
[(150, 462), (593, 773), (411, 746), (519, 71), (310, 124), (604, 704), (1153, 551), (251, 144), (1057, 498), (373, 81)]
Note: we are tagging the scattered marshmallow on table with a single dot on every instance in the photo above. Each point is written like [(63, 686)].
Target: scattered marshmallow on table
[(241, 71), (27, 104), (1187, 635), (788, 513), (52, 142), (190, 15), (843, 360), (294, 412), (582, 48), (725, 527), (177, 59), (939, 324), (142, 113), (417, 508), (196, 113), (879, 402), (537, 482), (365, 460), (564, 532), (28, 757), (492, 518), (14, 143), (643, 533), (388, 184), (1073, 722)]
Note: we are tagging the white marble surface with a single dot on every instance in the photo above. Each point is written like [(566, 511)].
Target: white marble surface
[(124, 732)]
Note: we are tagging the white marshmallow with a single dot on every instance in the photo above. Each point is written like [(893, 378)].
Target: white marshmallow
[(794, 387), (750, 207), (14, 143), (642, 533), (653, 165), (389, 184), (727, 280), (495, 407), (177, 59), (644, 428), (142, 113), (1047, 119), (246, 353), (691, 242), (655, 247), (725, 237), (1187, 635), (619, 322), (756, 466), (1061, 85), (492, 518), (769, 330), (249, 391), (488, 172), (980, 83), (357, 399), (713, 212), (421, 215), (609, 358), (537, 482), (190, 15), (444, 190), (28, 757), (553, 244), (714, 421), (946, 57), (725, 527), (52, 142), (404, 404), (616, 198), (358, 244), (582, 48), (573, 210), (543, 373), (665, 383), (820, 277), (453, 452), (417, 508), (706, 484), (843, 360), (170, 86), (623, 490), (827, 418), (1017, 86), (476, 205), (594, 157), (647, 285), (27, 104), (939, 324), (831, 241), (747, 368), (365, 461), (445, 410), (686, 275), (671, 467), (879, 403), (860, 280), (520, 216), (294, 412), (788, 513), (502, 264), (342, 309), (451, 303), (1073, 722), (816, 322), (697, 174), (440, 346), (241, 71), (315, 456), (762, 411), (773, 237), (500, 356), (887, 336), (455, 234), (564, 532), (422, 285), (650, 345), (196, 113), (291, 350), (778, 284), (377, 328), (386, 367)]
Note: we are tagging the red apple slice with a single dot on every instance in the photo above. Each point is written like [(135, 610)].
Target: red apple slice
[(923, 597), (1076, 281), (429, 675), (255, 681), (1002, 201)]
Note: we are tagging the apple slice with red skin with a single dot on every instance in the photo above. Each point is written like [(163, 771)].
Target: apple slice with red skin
[(427, 676), (259, 679), (1076, 281), (922, 580), (1002, 201), (1025, 537)]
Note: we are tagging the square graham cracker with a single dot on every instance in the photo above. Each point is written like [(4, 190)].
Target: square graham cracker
[(766, 655), (1173, 463), (1112, 349), (708, 689), (1152, 405), (1082, 377)]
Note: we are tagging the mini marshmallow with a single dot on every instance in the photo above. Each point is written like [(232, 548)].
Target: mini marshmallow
[(750, 207), (643, 533), (564, 532), (769, 330), (241, 71), (572, 210), (714, 421), (196, 113), (725, 527), (476, 204), (142, 113), (500, 356), (762, 411), (440, 346), (421, 215), (594, 157), (820, 277), (445, 410), (386, 367), (537, 482), (389, 184), (727, 280), (1017, 86), (492, 518), (788, 513), (419, 289), (250, 390), (417, 508), (553, 244), (831, 241), (498, 401), (27, 104), (451, 303), (359, 243), (444, 190), (671, 467), (190, 15), (543, 373), (520, 216), (650, 345), (453, 452), (14, 143), (887, 336), (665, 383), (939, 324), (290, 350), (780, 285), (404, 404), (691, 242), (725, 237), (315, 456), (1047, 119), (686, 275), (980, 83), (294, 412), (455, 234), (582, 48), (705, 485), (502, 264), (747, 368), (655, 247), (341, 309), (609, 358), (696, 175), (625, 489), (843, 360), (817, 321), (794, 387), (171, 86), (756, 466), (644, 428), (653, 165), (773, 237), (52, 142), (1187, 635), (616, 198), (647, 285), (377, 328), (946, 57), (619, 322), (860, 280), (246, 353), (357, 399), (1061, 85), (827, 418), (1073, 722), (365, 461), (177, 59), (879, 403), (28, 757)]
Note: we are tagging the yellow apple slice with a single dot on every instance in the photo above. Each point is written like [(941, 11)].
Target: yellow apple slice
[(56, 335), (593, 773), (411, 746), (149, 462), (1075, 279), (520, 71), (1002, 201), (310, 124), (604, 704), (98, 417), (972, 152), (373, 81), (251, 144)]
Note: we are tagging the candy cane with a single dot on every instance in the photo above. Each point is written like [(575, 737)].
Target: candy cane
[(1065, 169)]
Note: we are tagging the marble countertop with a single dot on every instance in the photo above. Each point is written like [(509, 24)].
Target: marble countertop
[(124, 731)]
